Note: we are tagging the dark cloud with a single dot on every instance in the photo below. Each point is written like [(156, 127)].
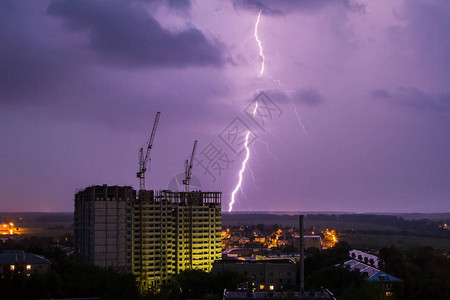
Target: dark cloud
[(380, 94), (415, 98), (309, 96), (425, 33), (29, 64), (306, 96), (280, 7), (179, 4), (175, 4), (126, 34)]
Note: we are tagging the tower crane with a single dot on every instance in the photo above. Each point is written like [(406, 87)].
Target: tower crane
[(145, 159), (188, 167)]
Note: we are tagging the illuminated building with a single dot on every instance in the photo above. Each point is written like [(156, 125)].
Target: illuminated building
[(175, 231), (19, 261), (366, 258), (366, 264), (153, 236), (7, 229), (102, 226)]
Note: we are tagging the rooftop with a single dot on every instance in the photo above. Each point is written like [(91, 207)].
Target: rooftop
[(21, 257)]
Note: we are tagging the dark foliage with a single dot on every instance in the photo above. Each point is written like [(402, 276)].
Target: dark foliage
[(198, 284), (425, 271), (66, 279)]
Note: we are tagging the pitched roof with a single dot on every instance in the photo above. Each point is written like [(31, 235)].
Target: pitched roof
[(21, 257), (373, 274)]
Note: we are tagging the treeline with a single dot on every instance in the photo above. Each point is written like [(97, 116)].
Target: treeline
[(40, 245), (424, 227), (426, 272)]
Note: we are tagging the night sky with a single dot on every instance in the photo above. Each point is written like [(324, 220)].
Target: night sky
[(81, 82)]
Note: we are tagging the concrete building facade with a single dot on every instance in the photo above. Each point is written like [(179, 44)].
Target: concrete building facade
[(175, 231), (154, 236), (102, 226)]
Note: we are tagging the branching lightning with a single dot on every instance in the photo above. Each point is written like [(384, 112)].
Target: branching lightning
[(259, 44), (268, 149), (247, 150), (244, 163), (299, 120), (251, 173), (277, 81)]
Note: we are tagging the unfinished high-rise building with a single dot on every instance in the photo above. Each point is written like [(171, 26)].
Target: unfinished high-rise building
[(175, 231), (154, 236), (102, 226)]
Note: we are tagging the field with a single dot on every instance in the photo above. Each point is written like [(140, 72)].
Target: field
[(362, 241)]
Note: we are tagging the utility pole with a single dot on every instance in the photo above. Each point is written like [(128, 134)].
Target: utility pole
[(302, 255)]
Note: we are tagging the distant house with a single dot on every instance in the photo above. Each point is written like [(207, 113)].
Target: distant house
[(365, 258), (19, 261), (364, 263)]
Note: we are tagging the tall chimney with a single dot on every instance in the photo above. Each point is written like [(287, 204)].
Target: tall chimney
[(302, 255)]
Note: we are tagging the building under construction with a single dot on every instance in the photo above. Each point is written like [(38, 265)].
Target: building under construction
[(154, 236), (175, 231)]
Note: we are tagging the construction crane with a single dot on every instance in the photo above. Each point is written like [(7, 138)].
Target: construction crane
[(188, 168), (144, 160)]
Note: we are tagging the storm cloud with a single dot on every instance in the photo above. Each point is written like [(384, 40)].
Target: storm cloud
[(288, 6), (125, 34)]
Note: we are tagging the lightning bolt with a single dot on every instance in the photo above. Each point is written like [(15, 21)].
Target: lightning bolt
[(277, 81), (259, 44), (299, 120), (244, 163), (216, 13), (268, 149)]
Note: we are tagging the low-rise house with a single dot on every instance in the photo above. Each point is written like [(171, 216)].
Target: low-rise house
[(18, 261), (369, 272)]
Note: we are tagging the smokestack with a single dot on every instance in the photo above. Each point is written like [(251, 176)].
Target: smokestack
[(302, 255)]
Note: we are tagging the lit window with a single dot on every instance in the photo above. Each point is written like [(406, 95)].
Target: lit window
[(28, 267), (11, 267), (271, 287), (261, 286)]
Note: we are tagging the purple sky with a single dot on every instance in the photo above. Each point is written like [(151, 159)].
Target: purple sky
[(81, 82)]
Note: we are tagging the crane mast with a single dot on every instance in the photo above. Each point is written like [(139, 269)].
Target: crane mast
[(188, 167), (145, 159)]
